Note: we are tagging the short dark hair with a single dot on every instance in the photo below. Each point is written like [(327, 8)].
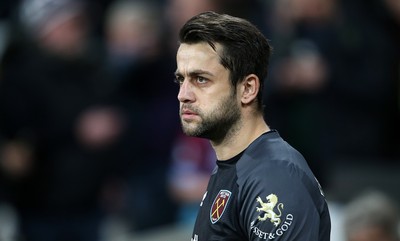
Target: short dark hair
[(245, 50)]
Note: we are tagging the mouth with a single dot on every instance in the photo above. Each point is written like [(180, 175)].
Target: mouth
[(187, 114)]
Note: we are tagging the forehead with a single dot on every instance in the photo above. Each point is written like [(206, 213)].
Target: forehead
[(198, 56)]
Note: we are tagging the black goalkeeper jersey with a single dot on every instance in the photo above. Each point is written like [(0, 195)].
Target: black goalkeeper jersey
[(267, 192)]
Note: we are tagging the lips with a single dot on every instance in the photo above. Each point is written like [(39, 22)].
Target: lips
[(187, 113)]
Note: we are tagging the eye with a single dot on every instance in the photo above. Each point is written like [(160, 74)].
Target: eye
[(179, 79), (201, 80)]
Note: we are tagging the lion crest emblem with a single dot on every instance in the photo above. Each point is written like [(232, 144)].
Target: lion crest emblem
[(268, 209)]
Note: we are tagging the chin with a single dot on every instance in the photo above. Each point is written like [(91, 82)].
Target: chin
[(194, 131), (190, 132)]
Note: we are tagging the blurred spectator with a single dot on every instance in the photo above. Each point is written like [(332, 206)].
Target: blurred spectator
[(58, 127), (193, 160), (132, 34), (58, 26), (362, 96), (303, 35), (372, 216), (177, 12), (143, 71), (333, 81)]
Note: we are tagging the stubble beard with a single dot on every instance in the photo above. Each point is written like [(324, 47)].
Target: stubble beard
[(218, 123)]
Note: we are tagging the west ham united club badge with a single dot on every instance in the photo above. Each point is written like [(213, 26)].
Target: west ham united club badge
[(219, 205)]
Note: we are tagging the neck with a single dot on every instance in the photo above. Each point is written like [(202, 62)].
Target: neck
[(240, 137)]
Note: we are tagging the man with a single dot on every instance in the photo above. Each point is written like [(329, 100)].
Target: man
[(262, 188), (371, 216)]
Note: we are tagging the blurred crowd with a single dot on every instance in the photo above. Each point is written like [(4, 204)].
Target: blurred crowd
[(89, 125)]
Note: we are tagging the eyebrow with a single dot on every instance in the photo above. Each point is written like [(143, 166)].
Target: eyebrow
[(195, 73)]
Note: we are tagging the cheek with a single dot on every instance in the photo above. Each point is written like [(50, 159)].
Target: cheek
[(226, 104)]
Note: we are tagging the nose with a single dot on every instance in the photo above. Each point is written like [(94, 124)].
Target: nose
[(185, 94)]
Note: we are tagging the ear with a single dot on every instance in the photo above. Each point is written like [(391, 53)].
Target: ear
[(249, 88)]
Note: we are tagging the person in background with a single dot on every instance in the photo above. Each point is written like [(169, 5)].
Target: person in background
[(193, 160), (58, 126), (305, 42), (177, 12), (323, 78), (135, 57), (371, 216), (132, 33)]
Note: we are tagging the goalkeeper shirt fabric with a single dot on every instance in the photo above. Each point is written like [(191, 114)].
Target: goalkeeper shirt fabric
[(267, 192)]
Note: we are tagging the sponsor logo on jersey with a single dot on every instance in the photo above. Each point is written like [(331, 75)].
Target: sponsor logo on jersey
[(271, 210), (267, 209), (275, 233), (219, 205)]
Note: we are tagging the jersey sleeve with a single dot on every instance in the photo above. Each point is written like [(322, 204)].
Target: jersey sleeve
[(280, 203)]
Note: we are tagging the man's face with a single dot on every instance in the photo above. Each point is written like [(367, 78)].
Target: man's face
[(208, 103)]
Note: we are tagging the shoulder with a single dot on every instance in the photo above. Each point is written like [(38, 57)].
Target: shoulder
[(278, 193), (272, 166), (270, 154)]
